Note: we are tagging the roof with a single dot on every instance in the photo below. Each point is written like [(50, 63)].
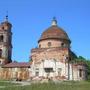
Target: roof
[(80, 64), (54, 32), (17, 65)]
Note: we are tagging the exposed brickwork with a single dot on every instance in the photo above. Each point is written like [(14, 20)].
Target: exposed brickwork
[(11, 73), (51, 53)]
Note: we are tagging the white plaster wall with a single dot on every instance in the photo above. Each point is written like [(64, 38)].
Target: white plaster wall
[(55, 64), (49, 64)]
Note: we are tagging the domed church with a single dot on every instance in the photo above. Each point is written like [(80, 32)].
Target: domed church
[(52, 59)]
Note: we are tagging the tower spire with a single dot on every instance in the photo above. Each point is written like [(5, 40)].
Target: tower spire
[(54, 21)]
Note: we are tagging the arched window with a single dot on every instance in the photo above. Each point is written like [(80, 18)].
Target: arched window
[(0, 53), (1, 38), (49, 44)]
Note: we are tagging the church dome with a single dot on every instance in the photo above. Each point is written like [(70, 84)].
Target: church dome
[(54, 32)]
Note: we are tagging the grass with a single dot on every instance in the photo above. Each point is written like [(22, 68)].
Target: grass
[(7, 83), (84, 85)]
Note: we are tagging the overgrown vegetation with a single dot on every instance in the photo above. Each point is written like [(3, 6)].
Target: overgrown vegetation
[(76, 59)]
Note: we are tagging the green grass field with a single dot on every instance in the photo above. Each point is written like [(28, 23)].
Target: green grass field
[(84, 85), (3, 83)]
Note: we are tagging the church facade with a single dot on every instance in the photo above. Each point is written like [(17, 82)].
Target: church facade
[(52, 59)]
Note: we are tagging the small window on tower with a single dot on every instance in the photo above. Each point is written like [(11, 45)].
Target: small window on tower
[(2, 27), (0, 53), (49, 44), (1, 38)]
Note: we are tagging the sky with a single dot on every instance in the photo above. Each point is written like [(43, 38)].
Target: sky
[(31, 17)]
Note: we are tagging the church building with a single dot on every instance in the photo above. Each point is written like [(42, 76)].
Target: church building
[(52, 59)]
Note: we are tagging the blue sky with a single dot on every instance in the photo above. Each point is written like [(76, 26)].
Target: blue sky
[(31, 17)]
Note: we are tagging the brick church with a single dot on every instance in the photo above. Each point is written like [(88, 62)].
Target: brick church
[(52, 59)]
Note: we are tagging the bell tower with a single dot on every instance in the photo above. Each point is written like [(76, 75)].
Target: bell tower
[(5, 42)]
